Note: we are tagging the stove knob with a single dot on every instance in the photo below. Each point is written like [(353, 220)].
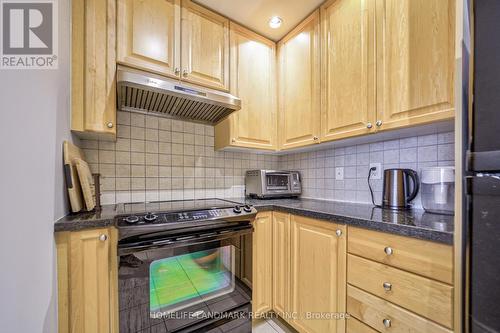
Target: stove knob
[(247, 208), (237, 209), (149, 217), (131, 219)]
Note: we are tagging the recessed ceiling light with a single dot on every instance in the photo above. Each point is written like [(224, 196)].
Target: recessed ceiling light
[(275, 22)]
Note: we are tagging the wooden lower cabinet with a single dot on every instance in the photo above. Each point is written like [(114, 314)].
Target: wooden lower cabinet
[(384, 316), (399, 284), (299, 269), (355, 326), (318, 274), (426, 297), (281, 262), (87, 281), (432, 260), (262, 263)]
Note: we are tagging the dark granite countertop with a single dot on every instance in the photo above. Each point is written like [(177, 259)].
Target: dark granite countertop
[(88, 220), (412, 223)]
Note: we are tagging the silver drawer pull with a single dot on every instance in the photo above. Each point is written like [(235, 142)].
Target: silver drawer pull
[(387, 286), (386, 322), (388, 250), (338, 233), (103, 237)]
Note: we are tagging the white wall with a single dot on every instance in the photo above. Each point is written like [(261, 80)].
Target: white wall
[(34, 120)]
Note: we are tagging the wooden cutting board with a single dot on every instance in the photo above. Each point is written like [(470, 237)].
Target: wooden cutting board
[(87, 183), (70, 152)]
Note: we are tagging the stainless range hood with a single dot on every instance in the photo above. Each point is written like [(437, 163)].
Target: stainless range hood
[(144, 92)]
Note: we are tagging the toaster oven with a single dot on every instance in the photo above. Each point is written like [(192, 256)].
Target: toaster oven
[(272, 183)]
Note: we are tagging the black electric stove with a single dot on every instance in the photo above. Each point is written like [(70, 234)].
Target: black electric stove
[(179, 216), (179, 268)]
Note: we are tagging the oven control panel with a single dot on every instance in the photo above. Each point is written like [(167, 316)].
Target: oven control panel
[(184, 216), (196, 215)]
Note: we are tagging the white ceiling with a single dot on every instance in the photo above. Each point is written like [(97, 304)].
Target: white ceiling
[(255, 14)]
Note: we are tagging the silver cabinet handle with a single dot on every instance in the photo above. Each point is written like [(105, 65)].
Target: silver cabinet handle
[(315, 138), (386, 322), (110, 125), (387, 286), (338, 233), (177, 71), (369, 125), (378, 123), (233, 140), (185, 73), (388, 250), (103, 237)]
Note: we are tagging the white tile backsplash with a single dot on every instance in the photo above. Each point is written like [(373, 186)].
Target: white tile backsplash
[(412, 152), (157, 158)]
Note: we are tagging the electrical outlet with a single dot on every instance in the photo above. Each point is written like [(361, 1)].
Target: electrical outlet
[(339, 173), (376, 174)]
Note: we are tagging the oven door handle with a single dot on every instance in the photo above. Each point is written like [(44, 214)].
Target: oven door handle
[(209, 236)]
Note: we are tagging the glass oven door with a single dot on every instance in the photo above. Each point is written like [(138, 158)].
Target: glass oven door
[(180, 283), (196, 275)]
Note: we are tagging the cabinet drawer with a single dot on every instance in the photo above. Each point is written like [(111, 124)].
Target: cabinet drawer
[(422, 257), (355, 326), (426, 297), (384, 316)]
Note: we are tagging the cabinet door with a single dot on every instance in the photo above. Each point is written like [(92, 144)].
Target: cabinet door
[(253, 81), (262, 263), (91, 295), (415, 61), (299, 85), (281, 262), (93, 66), (149, 35), (348, 91), (318, 274), (205, 47)]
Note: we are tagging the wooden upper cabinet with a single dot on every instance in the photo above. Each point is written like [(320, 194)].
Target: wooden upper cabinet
[(299, 85), (348, 91), (149, 35), (93, 67), (252, 80), (205, 47), (318, 274), (415, 43)]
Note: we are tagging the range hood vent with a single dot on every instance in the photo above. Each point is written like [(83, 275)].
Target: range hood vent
[(143, 92)]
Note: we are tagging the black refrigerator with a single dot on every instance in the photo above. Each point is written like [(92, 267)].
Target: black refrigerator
[(481, 200)]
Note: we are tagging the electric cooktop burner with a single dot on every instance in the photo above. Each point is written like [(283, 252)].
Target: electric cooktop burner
[(147, 217)]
